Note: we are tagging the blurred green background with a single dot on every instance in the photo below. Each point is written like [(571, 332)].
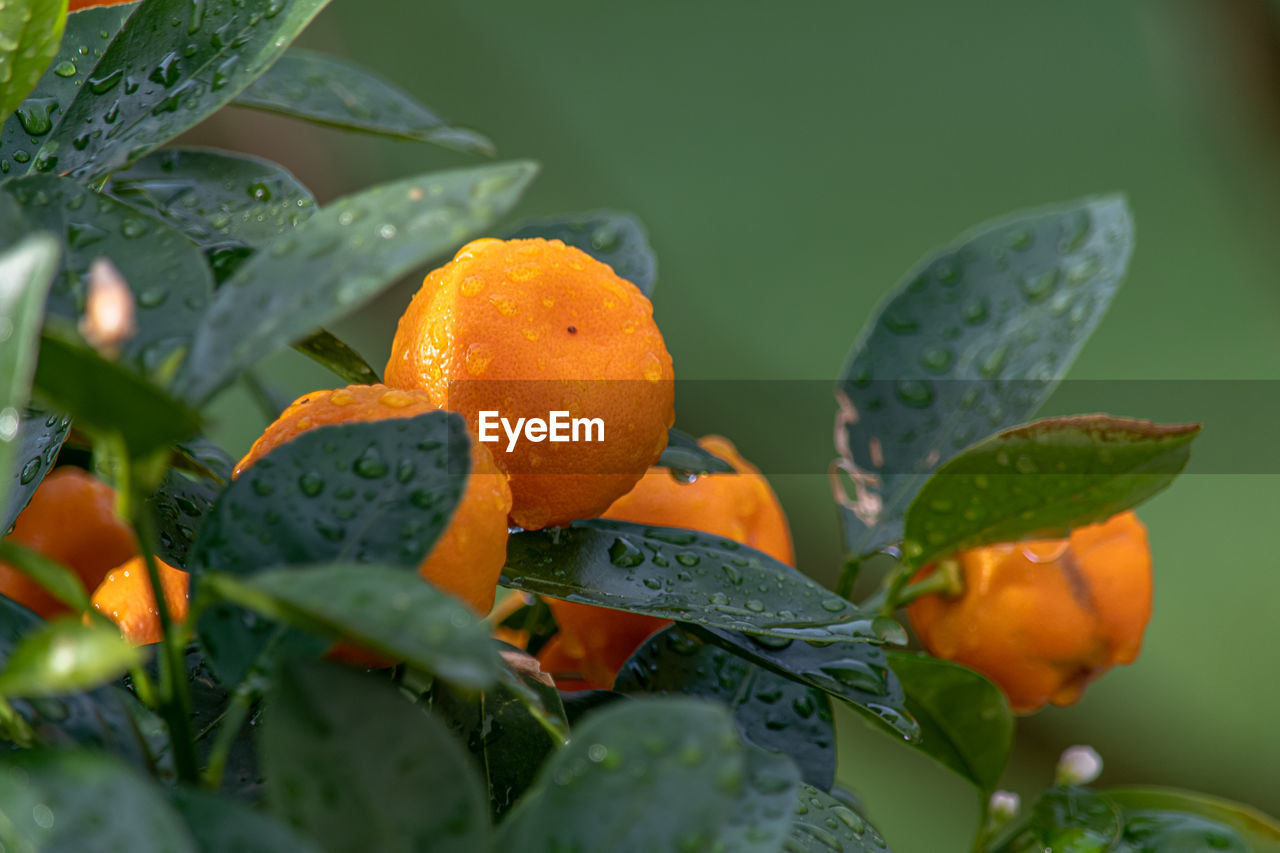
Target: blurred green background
[(791, 161)]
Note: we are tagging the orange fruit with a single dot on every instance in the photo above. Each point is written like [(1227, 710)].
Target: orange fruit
[(524, 328), (594, 642), (125, 597), (468, 557), (1043, 619), (72, 520)]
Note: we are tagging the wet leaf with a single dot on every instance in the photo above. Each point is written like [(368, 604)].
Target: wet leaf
[(170, 283), (678, 758), (222, 824), (965, 722), (327, 349), (56, 800), (31, 31), (364, 492), (857, 674), (613, 237), (381, 608), (104, 397), (180, 505), (973, 340), (67, 656), (684, 575), (1065, 818), (775, 713), (352, 762), (1150, 821), (26, 271), (84, 39), (347, 252), (336, 92), (823, 824), (685, 455), (1041, 479), (158, 79), (35, 450), (221, 201)]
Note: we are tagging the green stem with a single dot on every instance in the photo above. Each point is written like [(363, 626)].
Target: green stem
[(175, 699), (232, 721), (945, 580), (984, 822), (848, 576)]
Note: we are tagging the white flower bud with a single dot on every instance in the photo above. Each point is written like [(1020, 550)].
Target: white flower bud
[(109, 309), (1004, 805), (1079, 765)]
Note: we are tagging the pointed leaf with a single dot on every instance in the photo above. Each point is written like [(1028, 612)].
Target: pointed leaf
[(35, 450), (857, 674), (1260, 832), (84, 39), (823, 824), (56, 579), (975, 338), (965, 722), (67, 656), (346, 253), (334, 91), (326, 348), (356, 765), (775, 713), (26, 271), (221, 824), (29, 34), (1041, 479), (170, 282), (683, 453), (677, 758), (71, 800), (613, 237), (685, 575), (385, 609), (158, 78)]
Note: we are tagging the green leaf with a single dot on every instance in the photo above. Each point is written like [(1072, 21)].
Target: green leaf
[(857, 674), (1259, 833), (612, 237), (974, 339), (61, 801), (382, 608), (1041, 479), (26, 271), (339, 93), (84, 39), (29, 34), (327, 349), (379, 491), (58, 580), (354, 764), (965, 722), (180, 505), (67, 656), (775, 713), (680, 759), (364, 492), (221, 824), (218, 199), (1066, 818), (104, 397), (347, 252), (685, 455), (506, 743), (158, 78), (170, 282), (823, 824), (685, 575), (40, 438)]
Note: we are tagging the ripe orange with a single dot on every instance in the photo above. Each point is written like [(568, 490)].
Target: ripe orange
[(468, 557), (126, 598), (1043, 619), (524, 328), (594, 642), (71, 519)]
